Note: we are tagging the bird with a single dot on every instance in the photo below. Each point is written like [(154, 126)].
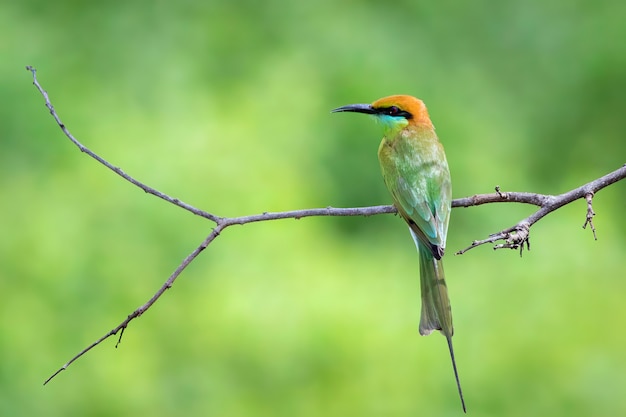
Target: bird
[(416, 173)]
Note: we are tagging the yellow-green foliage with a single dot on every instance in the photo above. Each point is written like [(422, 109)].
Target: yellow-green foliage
[(225, 105)]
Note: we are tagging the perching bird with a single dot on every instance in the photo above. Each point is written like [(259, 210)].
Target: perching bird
[(415, 171)]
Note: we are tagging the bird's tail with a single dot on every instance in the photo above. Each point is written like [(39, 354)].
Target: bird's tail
[(436, 311)]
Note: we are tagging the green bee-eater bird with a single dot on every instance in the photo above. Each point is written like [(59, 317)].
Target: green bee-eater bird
[(416, 174)]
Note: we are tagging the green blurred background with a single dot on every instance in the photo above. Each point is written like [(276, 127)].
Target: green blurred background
[(225, 105)]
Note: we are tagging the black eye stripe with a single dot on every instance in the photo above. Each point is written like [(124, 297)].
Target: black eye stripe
[(395, 112)]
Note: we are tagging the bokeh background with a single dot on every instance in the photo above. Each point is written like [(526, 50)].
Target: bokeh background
[(225, 105)]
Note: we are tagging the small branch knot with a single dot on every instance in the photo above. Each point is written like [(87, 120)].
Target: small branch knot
[(516, 238)]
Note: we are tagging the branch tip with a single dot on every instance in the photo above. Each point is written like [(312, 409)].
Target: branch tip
[(590, 214), (119, 339)]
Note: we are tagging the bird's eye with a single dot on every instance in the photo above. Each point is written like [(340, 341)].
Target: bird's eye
[(393, 111)]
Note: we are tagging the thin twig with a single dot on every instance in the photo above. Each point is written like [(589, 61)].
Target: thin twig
[(513, 237), (140, 310), (590, 214), (115, 169)]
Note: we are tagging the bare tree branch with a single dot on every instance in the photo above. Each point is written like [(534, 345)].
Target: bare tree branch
[(513, 237), (517, 235)]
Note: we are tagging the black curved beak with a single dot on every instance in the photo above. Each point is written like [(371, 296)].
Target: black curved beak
[(355, 108)]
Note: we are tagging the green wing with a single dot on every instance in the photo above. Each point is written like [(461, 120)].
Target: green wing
[(417, 176)]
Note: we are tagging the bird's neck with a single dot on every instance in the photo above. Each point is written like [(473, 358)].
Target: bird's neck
[(398, 128)]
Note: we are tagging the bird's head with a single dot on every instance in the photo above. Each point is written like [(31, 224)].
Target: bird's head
[(394, 112)]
